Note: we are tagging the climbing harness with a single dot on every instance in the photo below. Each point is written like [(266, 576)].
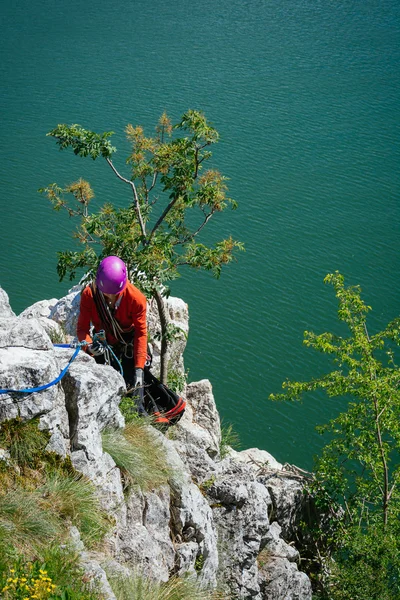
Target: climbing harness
[(100, 337)]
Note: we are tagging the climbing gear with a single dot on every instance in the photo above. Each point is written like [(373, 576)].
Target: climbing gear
[(165, 406), (103, 349), (111, 275), (56, 380), (96, 349)]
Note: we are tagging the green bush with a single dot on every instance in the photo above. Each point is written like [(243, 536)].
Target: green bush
[(367, 566)]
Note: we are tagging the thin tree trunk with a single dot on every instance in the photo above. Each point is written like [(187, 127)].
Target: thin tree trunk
[(385, 495), (162, 313)]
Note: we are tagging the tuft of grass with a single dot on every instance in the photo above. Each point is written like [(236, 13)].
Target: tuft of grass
[(58, 335), (229, 439), (23, 522), (24, 441), (142, 588), (139, 456), (73, 498), (41, 494)]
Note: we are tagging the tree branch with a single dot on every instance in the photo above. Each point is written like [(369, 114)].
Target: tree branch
[(385, 496), (162, 217), (135, 196), (192, 235)]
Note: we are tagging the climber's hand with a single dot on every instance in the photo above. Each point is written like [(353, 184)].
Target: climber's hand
[(96, 349), (138, 378)]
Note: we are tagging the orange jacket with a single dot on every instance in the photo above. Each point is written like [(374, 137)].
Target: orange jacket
[(131, 311)]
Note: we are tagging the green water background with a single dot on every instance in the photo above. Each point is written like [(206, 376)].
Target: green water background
[(305, 96)]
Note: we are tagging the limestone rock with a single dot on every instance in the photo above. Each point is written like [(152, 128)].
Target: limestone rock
[(191, 521), (177, 311), (42, 308), (27, 361), (5, 308), (279, 576), (66, 311), (197, 435), (145, 541), (240, 509), (286, 489)]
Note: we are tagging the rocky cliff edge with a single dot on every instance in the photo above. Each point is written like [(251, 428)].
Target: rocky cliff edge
[(227, 522)]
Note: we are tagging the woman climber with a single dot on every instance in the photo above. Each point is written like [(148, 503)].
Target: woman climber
[(111, 304)]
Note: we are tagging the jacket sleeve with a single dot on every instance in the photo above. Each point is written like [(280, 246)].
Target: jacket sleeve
[(140, 324), (85, 317)]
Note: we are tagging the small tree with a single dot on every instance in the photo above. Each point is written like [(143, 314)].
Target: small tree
[(357, 476), (167, 175)]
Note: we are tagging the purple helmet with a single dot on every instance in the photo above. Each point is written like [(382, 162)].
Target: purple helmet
[(111, 275)]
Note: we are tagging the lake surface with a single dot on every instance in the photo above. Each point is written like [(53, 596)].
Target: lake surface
[(305, 96)]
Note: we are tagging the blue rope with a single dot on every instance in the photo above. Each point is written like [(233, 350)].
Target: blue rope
[(47, 385), (63, 372), (117, 360)]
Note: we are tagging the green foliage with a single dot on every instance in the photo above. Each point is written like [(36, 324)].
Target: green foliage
[(177, 380), (83, 142), (357, 476), (41, 495), (54, 575), (172, 198), (139, 455), (229, 439), (59, 335), (199, 563), (24, 441), (367, 566)]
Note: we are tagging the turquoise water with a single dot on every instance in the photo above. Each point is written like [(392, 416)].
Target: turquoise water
[(305, 96)]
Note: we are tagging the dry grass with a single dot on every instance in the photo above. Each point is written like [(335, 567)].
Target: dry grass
[(139, 455)]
